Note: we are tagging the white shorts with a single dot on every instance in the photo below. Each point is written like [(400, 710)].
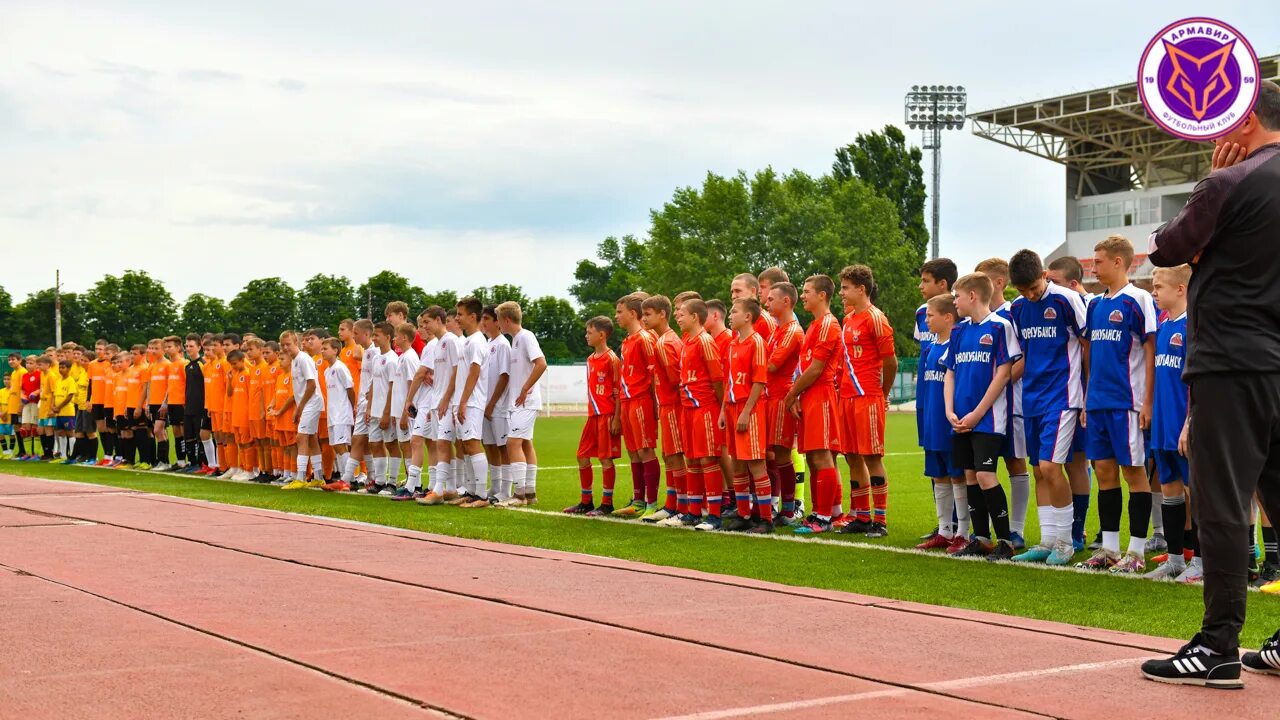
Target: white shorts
[(309, 422), (392, 434), (520, 423), (339, 434), (444, 426), (495, 429), (424, 425), (361, 427), (30, 413), (471, 427)]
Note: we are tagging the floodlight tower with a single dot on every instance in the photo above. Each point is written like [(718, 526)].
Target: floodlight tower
[(932, 109)]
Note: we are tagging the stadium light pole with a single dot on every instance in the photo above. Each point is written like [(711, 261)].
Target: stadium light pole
[(932, 109)]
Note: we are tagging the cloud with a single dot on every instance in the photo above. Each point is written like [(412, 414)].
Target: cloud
[(291, 85), (204, 75)]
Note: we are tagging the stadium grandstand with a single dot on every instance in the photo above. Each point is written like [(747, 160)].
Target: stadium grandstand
[(1123, 173)]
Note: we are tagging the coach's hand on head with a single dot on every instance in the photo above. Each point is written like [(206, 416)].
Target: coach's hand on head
[(1226, 154)]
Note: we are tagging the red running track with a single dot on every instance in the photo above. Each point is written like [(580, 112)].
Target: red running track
[(119, 604)]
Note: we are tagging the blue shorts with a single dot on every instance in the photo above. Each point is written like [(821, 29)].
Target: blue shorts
[(1116, 435), (1015, 440), (1170, 466), (46, 422), (938, 464), (1052, 437), (6, 429), (65, 423)]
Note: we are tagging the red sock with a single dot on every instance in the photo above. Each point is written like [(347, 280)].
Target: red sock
[(693, 490), (822, 492), (585, 482), (764, 501), (742, 493), (652, 471), (880, 495), (637, 481), (673, 491), (713, 481), (860, 502), (775, 478), (837, 493), (610, 474), (787, 487)]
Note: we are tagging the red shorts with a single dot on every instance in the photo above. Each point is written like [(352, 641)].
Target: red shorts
[(748, 445), (597, 441), (781, 429), (287, 437), (639, 424), (817, 429), (672, 426), (701, 432), (861, 424)]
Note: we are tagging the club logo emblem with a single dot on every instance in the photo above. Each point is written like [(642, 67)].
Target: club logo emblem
[(1176, 340), (1050, 314), (985, 340), (1198, 78), (1116, 316)]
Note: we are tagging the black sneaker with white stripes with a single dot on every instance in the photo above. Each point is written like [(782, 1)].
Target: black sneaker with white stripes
[(1194, 665), (1267, 660)]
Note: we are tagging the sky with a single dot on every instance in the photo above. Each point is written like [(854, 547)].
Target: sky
[(468, 144)]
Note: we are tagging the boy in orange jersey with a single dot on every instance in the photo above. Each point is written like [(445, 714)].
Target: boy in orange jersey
[(120, 409), (784, 355), (98, 399), (870, 366), (240, 415), (743, 419), (215, 400), (230, 342), (138, 377), (260, 379), (352, 352), (701, 395), (812, 401), (601, 433), (666, 388), (280, 413), (639, 409), (173, 407), (157, 388), (271, 375)]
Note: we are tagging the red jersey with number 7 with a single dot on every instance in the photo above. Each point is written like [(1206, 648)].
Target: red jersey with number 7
[(638, 355), (700, 366)]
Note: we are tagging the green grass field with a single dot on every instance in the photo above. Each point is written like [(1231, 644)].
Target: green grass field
[(886, 568)]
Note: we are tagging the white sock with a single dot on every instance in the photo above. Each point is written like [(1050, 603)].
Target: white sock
[(433, 479), (1066, 516), (1157, 517), (504, 482), (1138, 546), (378, 470), (480, 469), (341, 462), (317, 467), (393, 470), (943, 504), (960, 493), (1019, 498), (516, 476), (1048, 518), (210, 452), (349, 468), (1111, 540), (444, 471), (302, 466), (415, 478), (495, 481), (531, 478)]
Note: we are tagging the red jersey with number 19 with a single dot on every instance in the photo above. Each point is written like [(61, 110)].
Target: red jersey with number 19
[(700, 366), (866, 339)]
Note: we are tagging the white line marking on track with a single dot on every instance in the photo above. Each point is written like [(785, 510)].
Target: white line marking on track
[(958, 684)]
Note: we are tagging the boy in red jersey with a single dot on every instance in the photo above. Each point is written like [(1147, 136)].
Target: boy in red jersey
[(600, 435), (701, 394), (780, 431), (812, 401), (666, 387), (743, 419), (639, 409), (746, 287), (870, 366), (716, 327)]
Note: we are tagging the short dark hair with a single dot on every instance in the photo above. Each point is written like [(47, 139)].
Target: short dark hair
[(1069, 266), (698, 308), (822, 284), (751, 306), (1025, 268), (470, 305), (942, 269), (385, 328), (717, 305), (601, 323), (786, 290), (861, 276), (658, 303), (232, 337), (435, 312), (490, 311), (1267, 106), (235, 355), (334, 343)]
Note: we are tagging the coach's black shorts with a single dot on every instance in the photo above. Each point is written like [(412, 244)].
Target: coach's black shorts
[(85, 422), (194, 422), (100, 413), (177, 416), (977, 451)]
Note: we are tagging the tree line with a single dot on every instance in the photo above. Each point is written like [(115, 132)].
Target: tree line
[(868, 209)]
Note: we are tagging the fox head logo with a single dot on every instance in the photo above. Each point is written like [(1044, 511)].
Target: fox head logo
[(1199, 82)]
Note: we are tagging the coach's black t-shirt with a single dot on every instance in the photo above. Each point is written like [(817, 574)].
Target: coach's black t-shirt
[(195, 386), (1233, 307)]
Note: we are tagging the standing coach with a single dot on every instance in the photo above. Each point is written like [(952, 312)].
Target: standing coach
[(1230, 233)]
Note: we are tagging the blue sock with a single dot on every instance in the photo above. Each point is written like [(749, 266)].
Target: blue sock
[(1080, 505)]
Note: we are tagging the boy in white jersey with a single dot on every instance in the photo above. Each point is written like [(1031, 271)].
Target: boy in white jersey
[(527, 366), (403, 372), (362, 334), (470, 396), (497, 374), (417, 411), (447, 348), (340, 409), (306, 409), (378, 412)]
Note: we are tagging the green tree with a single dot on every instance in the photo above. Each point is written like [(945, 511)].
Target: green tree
[(495, 294), (557, 327), (616, 272), (373, 295), (445, 299), (129, 309), (33, 320), (202, 313), (884, 161), (265, 307), (6, 319), (324, 301)]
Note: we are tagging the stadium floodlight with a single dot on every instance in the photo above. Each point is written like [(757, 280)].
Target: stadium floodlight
[(932, 109)]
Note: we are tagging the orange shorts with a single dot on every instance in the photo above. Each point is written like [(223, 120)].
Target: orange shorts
[(781, 430), (227, 425), (701, 432), (215, 422), (287, 437), (817, 429), (258, 428), (244, 435), (639, 424), (323, 431), (749, 444), (597, 441), (669, 419), (861, 423)]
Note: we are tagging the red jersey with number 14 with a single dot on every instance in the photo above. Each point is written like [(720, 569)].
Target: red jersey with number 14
[(602, 377), (748, 364), (699, 367), (784, 354), (821, 342), (638, 354), (666, 368)]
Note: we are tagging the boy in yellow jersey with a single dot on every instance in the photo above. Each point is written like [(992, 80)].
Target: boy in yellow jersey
[(6, 423), (48, 384), (64, 408), (13, 406), (157, 391)]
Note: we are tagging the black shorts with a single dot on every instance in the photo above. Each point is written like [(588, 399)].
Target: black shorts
[(177, 416), (85, 422), (154, 412), (194, 422), (100, 413), (977, 451), (136, 420), (122, 423)]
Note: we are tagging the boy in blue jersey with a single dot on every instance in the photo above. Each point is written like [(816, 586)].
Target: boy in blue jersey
[(1067, 272), (1168, 418), (1015, 444), (937, 277), (950, 495), (979, 365), (1050, 322), (1122, 325)]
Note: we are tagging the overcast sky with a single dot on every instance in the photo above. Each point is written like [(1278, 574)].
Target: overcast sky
[(466, 144)]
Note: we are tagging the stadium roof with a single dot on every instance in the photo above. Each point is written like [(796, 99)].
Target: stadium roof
[(1105, 135)]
